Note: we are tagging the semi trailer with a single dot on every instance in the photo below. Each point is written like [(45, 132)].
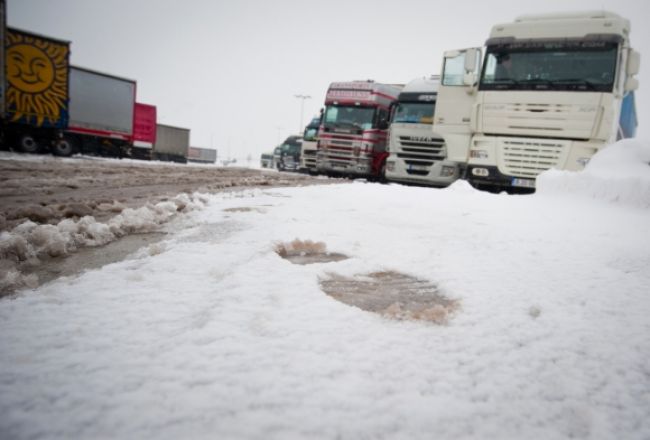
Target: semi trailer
[(552, 90), (34, 84), (48, 105), (417, 154), (101, 119), (144, 130), (172, 144), (201, 155), (353, 136)]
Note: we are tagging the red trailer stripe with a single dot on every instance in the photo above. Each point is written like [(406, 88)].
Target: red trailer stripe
[(100, 133)]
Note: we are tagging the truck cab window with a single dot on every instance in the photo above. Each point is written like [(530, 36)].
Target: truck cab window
[(454, 70)]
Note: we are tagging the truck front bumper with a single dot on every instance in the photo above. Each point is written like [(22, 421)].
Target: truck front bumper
[(353, 167), (441, 174), (490, 178)]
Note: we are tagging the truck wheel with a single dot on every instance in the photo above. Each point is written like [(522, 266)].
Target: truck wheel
[(28, 144), (64, 147)]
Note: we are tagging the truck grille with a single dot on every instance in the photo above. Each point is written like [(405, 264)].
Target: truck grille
[(309, 157), (528, 158), (420, 153), (341, 143), (539, 119)]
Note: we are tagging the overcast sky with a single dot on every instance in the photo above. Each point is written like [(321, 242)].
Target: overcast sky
[(229, 70)]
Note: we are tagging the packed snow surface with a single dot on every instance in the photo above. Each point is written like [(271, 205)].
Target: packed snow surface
[(214, 335)]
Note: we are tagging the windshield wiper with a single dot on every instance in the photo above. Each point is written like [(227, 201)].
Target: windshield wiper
[(505, 83), (578, 82)]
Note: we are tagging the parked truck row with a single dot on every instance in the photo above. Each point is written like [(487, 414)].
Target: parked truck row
[(546, 91), (49, 105)]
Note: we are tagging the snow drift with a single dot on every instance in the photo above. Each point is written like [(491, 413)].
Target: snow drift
[(619, 173)]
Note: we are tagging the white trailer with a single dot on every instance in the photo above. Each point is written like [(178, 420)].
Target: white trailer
[(101, 114), (172, 143), (201, 155), (416, 154), (552, 91)]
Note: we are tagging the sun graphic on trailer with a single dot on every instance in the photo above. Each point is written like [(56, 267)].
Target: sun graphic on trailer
[(37, 79)]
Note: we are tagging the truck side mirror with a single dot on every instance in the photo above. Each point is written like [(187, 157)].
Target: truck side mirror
[(469, 79), (631, 84), (633, 62), (383, 124), (470, 68), (470, 61)]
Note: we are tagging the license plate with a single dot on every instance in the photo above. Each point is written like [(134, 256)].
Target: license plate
[(418, 167), (523, 183)]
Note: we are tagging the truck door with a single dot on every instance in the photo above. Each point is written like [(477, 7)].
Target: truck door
[(456, 100)]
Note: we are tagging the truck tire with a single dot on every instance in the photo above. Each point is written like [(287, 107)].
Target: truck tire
[(27, 143), (65, 147)]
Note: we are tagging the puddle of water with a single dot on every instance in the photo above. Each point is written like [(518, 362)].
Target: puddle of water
[(213, 232), (245, 209), (307, 252), (92, 257), (391, 294)]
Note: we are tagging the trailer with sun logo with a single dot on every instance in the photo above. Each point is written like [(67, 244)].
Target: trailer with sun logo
[(35, 90)]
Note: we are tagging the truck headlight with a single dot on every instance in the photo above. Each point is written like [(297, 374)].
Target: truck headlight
[(390, 166), (478, 154), (480, 172), (447, 171)]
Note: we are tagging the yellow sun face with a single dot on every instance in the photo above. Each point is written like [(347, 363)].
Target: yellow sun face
[(37, 77), (30, 70)]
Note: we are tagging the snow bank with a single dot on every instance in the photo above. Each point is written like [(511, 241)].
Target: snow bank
[(620, 173), (31, 242)]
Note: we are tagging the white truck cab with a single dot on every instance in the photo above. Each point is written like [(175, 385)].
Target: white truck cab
[(417, 155), (310, 146), (551, 91)]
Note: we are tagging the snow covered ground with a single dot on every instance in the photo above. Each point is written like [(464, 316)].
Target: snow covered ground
[(211, 334)]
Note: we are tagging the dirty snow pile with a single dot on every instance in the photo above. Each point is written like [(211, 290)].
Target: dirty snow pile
[(29, 242), (217, 336)]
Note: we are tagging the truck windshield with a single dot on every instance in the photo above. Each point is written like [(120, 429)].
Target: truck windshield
[(575, 66), (310, 133), (349, 116), (290, 148), (414, 112)]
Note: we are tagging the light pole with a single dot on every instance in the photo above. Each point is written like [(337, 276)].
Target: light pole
[(302, 106), (279, 129)]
